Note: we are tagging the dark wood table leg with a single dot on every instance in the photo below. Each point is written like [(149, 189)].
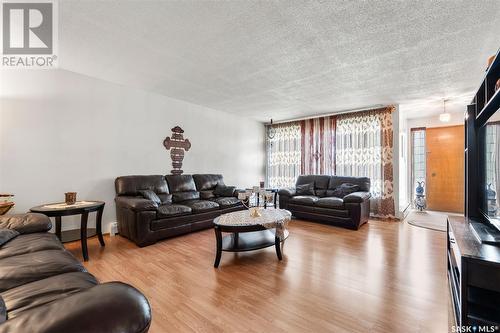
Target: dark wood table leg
[(98, 225), (236, 239), (218, 238), (277, 245), (58, 227), (83, 235)]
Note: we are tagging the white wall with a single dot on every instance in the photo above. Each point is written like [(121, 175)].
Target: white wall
[(403, 158), (395, 160), (61, 131)]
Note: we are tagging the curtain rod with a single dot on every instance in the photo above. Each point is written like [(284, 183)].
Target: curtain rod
[(372, 107)]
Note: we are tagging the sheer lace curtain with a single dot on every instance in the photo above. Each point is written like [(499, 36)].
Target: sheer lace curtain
[(284, 155), (364, 148)]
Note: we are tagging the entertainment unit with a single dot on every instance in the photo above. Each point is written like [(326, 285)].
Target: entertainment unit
[(482, 158), (473, 249), (473, 276)]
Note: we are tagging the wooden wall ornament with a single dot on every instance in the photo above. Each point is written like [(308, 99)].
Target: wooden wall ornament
[(177, 146)]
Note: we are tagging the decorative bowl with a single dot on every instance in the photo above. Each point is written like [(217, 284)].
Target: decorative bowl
[(5, 207)]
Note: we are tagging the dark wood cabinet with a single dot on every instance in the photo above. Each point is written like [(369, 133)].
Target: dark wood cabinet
[(473, 276)]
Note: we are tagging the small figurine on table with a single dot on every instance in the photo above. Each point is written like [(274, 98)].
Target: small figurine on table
[(420, 202)]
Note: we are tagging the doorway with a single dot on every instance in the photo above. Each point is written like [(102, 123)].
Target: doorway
[(445, 168)]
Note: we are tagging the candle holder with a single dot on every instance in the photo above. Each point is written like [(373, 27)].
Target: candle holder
[(254, 199), (70, 198)]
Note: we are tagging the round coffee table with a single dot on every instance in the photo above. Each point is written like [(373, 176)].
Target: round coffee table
[(251, 233), (83, 208)]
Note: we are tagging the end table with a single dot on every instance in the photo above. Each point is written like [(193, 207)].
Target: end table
[(83, 208)]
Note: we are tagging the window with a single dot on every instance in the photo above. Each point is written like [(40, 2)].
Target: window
[(418, 158), (283, 157)]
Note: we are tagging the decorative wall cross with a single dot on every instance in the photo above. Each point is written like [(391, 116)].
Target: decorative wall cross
[(177, 146)]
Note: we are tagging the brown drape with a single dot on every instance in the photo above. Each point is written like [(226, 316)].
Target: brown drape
[(318, 146)]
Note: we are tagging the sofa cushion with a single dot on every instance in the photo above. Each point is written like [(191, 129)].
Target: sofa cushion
[(207, 181), (131, 185), (6, 235), (165, 198), (150, 195), (362, 182), (207, 194), (224, 191), (307, 200), (201, 205), (26, 223), (330, 202), (169, 210), (25, 268), (320, 183), (180, 183), (41, 292), (183, 196), (343, 190), (225, 202), (305, 189), (30, 243)]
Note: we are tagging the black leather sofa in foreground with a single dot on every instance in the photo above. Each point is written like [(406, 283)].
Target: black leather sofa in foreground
[(336, 200), (43, 288), (177, 204)]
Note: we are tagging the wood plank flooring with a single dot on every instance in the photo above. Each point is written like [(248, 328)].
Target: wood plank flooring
[(385, 277)]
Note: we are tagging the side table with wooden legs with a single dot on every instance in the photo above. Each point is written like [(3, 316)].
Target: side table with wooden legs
[(58, 211)]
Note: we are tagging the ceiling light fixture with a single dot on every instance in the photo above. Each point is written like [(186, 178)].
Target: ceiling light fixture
[(445, 116)]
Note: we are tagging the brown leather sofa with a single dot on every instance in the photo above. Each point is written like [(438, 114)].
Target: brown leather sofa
[(322, 204), (43, 288), (188, 203)]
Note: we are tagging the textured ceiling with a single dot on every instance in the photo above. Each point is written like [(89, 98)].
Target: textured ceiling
[(286, 59)]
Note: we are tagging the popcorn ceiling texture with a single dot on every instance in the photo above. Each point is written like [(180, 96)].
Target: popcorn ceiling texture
[(286, 59)]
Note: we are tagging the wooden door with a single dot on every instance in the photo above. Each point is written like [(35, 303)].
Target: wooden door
[(445, 168)]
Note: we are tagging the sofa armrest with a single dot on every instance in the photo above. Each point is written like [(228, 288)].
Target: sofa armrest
[(288, 192), (357, 197), (238, 191), (135, 203), (26, 223), (109, 307)]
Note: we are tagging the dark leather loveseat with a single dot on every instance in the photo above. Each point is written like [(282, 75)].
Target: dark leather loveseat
[(43, 288), (323, 202), (187, 203)]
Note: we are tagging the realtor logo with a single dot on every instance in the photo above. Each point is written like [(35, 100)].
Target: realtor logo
[(28, 34)]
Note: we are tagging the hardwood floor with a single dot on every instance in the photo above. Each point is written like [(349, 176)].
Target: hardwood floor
[(385, 277)]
